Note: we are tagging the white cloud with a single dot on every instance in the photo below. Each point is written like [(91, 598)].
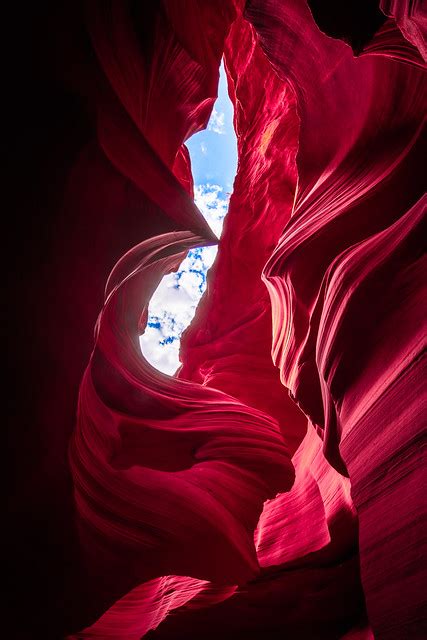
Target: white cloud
[(165, 359), (217, 122), (213, 204), (174, 302), (203, 148)]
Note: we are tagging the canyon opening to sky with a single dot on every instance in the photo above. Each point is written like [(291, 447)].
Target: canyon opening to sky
[(213, 154), (216, 439)]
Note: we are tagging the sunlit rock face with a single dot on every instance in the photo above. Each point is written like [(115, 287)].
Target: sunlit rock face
[(273, 488)]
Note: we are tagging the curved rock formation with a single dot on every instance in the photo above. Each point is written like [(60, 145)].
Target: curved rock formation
[(337, 329), (274, 486)]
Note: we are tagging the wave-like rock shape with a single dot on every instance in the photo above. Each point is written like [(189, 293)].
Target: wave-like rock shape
[(274, 486), (232, 335), (347, 334), (411, 19), (164, 469)]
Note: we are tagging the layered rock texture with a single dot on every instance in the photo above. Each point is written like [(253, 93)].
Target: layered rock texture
[(274, 487)]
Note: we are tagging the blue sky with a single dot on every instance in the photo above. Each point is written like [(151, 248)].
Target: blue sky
[(213, 151), (214, 161)]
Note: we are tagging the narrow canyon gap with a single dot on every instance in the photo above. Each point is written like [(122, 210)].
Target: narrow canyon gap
[(213, 156), (273, 487)]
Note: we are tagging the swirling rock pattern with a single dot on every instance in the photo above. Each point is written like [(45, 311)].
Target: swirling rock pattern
[(273, 488)]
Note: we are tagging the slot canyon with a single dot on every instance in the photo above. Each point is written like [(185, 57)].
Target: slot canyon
[(274, 486)]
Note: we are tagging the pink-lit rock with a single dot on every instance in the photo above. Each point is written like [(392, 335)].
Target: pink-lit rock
[(274, 488)]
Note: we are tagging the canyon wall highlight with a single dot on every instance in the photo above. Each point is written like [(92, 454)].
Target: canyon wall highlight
[(274, 486)]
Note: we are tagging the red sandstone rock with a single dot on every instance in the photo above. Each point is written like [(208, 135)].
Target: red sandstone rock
[(242, 498)]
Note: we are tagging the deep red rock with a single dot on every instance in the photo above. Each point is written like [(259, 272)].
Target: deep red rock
[(275, 486)]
